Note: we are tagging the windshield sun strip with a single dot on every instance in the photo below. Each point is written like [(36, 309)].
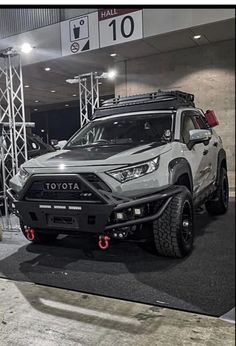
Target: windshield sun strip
[(106, 117)]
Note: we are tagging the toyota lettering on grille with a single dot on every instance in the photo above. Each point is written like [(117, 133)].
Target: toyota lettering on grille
[(62, 186)]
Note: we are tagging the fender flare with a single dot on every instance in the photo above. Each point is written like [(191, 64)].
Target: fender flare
[(177, 167), (221, 157)]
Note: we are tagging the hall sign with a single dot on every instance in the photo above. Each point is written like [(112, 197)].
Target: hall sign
[(119, 25), (100, 29)]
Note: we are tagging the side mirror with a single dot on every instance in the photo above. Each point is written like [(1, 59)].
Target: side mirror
[(211, 118), (199, 136)]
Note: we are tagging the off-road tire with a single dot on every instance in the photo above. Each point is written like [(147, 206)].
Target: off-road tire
[(219, 204), (40, 237), (173, 231)]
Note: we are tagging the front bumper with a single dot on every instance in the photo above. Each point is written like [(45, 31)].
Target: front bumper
[(70, 217)]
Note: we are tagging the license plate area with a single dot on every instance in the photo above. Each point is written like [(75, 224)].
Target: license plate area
[(63, 221)]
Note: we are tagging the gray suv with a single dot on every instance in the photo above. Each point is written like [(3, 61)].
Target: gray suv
[(143, 163)]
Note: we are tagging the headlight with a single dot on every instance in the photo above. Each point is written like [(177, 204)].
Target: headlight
[(133, 172), (23, 175)]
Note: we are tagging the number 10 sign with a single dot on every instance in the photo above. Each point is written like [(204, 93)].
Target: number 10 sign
[(119, 25)]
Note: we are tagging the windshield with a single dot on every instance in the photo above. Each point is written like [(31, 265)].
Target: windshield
[(130, 129)]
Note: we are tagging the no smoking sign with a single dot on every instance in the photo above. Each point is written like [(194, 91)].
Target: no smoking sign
[(74, 47)]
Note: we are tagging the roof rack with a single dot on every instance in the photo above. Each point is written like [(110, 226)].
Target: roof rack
[(157, 96)]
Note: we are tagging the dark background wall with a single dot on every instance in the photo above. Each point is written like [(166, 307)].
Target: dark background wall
[(56, 124), (60, 123)]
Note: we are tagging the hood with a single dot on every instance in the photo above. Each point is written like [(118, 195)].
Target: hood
[(99, 156)]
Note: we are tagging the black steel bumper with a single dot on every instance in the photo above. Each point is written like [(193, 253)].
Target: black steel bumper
[(66, 217)]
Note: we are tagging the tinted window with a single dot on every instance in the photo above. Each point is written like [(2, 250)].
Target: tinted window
[(132, 129), (187, 125)]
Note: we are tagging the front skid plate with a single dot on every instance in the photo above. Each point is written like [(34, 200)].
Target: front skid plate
[(87, 217)]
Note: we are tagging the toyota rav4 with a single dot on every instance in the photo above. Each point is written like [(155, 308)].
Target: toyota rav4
[(143, 163)]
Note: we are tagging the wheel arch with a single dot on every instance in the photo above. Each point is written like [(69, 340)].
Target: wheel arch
[(180, 173), (221, 162)]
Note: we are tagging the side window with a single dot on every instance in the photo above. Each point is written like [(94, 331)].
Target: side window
[(187, 125), (201, 124)]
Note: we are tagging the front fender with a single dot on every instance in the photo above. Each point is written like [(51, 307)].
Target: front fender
[(178, 167)]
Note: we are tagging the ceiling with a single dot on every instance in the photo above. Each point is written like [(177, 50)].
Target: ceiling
[(41, 83)]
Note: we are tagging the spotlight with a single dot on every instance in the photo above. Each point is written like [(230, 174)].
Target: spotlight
[(26, 86), (53, 91), (26, 48), (197, 37), (138, 211), (111, 74), (47, 69), (119, 216), (113, 54)]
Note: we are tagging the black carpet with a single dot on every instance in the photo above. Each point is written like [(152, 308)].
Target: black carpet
[(203, 282)]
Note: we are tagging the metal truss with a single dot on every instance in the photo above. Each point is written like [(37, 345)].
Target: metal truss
[(12, 117), (88, 95)]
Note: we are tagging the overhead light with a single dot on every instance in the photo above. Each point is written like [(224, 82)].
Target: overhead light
[(111, 74), (197, 37), (74, 95), (26, 86), (47, 69), (35, 109), (53, 91), (99, 83), (26, 48), (42, 130), (113, 54), (66, 105), (36, 101)]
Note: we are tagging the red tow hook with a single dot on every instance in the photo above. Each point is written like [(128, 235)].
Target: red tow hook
[(104, 242), (30, 234)]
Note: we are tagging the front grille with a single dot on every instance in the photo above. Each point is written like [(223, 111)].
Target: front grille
[(96, 181), (37, 190)]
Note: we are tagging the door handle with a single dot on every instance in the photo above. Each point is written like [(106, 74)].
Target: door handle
[(215, 144), (205, 151)]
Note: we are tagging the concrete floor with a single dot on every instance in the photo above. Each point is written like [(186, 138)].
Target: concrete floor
[(43, 316)]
